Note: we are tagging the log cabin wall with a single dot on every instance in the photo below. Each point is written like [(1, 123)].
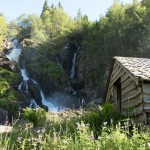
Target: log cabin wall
[(146, 101), (130, 92), (128, 87)]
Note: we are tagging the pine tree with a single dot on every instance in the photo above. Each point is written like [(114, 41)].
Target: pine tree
[(45, 7)]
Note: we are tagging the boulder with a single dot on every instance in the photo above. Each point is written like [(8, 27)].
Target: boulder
[(34, 91), (77, 84), (95, 101), (7, 46), (3, 116), (5, 63)]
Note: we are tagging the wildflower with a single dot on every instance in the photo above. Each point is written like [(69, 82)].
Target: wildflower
[(19, 138), (43, 130), (34, 139), (38, 131), (29, 139), (105, 123)]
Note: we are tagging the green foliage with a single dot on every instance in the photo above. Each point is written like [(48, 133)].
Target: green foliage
[(99, 115), (57, 24), (43, 63), (49, 136), (36, 116), (109, 113), (8, 95), (124, 31), (3, 30)]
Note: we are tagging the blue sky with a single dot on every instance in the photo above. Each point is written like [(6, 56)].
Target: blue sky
[(92, 8)]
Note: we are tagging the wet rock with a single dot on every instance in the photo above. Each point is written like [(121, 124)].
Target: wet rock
[(34, 91), (7, 46), (77, 84), (3, 116), (5, 63), (95, 101)]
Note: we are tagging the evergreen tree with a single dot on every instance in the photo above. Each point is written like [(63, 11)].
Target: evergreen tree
[(60, 5), (45, 7)]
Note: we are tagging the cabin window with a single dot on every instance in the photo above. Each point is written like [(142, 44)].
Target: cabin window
[(148, 118), (117, 94)]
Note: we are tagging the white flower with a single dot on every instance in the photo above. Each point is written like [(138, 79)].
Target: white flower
[(38, 131), (43, 130)]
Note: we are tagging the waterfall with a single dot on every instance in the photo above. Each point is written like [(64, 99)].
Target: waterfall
[(73, 65), (45, 102), (24, 75), (50, 102), (33, 104), (73, 69), (15, 52), (51, 107), (25, 79)]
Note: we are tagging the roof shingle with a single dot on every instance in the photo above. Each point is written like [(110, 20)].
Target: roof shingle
[(139, 67)]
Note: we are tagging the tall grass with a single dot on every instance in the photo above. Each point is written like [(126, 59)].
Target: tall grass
[(71, 130)]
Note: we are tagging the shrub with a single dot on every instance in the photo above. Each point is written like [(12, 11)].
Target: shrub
[(35, 115)]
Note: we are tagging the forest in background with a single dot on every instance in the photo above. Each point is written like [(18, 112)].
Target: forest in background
[(54, 36)]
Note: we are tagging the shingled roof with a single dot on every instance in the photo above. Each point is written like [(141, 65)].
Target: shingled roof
[(139, 67)]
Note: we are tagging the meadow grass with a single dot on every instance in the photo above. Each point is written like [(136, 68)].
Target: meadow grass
[(71, 130)]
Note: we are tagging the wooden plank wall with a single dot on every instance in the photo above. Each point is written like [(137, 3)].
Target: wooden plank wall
[(146, 97), (131, 93)]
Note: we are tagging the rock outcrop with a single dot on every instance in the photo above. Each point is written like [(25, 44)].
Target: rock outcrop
[(5, 63), (3, 116), (7, 46)]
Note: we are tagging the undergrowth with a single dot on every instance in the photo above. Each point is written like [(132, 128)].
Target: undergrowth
[(76, 130)]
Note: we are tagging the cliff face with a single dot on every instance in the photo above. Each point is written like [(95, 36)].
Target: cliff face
[(92, 83), (10, 99)]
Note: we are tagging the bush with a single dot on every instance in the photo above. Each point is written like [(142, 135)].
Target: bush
[(35, 115)]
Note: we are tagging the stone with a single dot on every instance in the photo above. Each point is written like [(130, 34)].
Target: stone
[(34, 91), (7, 46), (3, 116)]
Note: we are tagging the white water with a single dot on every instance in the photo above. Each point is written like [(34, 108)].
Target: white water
[(25, 79), (33, 104), (50, 106), (15, 53), (24, 74), (73, 69), (73, 65)]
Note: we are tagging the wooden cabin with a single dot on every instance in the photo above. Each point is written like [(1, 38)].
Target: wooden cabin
[(128, 87)]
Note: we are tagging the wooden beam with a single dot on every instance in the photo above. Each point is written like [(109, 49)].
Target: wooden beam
[(131, 103), (147, 106), (126, 83), (129, 73), (146, 98), (146, 88), (134, 111), (131, 94), (130, 87)]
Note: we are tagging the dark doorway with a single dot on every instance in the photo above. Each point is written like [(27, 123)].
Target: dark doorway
[(117, 94)]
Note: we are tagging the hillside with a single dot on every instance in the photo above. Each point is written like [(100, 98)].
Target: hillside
[(72, 56)]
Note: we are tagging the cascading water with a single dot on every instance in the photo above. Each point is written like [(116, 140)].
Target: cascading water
[(73, 69), (78, 101), (24, 87), (14, 56), (33, 104), (72, 75), (15, 53), (51, 107), (25, 79)]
